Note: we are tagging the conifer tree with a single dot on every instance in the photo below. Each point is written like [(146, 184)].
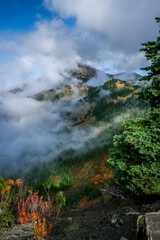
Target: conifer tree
[(136, 153), (152, 53)]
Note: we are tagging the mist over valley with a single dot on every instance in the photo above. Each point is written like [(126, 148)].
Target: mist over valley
[(71, 118)]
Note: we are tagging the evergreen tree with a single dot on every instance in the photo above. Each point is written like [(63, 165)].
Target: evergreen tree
[(136, 153), (152, 53)]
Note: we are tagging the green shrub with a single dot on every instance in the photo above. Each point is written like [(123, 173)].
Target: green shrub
[(72, 228), (107, 198), (60, 201), (91, 192), (136, 155), (3, 184), (6, 217)]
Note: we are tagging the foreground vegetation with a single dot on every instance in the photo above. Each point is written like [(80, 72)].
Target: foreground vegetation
[(18, 203)]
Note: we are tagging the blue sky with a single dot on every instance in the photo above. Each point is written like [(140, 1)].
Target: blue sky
[(21, 15)]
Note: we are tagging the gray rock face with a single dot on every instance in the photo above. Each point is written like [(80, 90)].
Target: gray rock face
[(123, 238), (148, 226), (19, 232), (153, 225)]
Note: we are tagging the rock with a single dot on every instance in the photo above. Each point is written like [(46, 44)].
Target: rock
[(156, 206), (121, 221), (94, 235), (123, 238), (114, 219), (84, 72), (153, 225), (148, 226), (132, 213), (70, 219), (146, 207), (18, 232), (124, 210)]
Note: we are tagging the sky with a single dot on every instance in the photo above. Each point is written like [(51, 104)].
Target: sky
[(21, 15), (106, 33), (40, 42)]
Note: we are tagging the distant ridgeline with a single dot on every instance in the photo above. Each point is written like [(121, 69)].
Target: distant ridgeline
[(102, 103), (102, 108), (85, 73)]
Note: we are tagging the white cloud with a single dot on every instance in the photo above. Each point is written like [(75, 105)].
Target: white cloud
[(121, 25), (43, 53), (117, 19), (33, 131)]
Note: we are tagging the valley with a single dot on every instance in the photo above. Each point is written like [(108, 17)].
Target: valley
[(94, 115)]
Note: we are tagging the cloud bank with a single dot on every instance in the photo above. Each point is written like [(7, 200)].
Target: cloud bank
[(33, 131), (122, 25)]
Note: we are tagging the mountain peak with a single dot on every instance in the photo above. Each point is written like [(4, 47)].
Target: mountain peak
[(95, 77), (84, 72)]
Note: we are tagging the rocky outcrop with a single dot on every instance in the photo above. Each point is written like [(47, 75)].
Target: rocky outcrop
[(18, 232), (84, 72), (148, 226)]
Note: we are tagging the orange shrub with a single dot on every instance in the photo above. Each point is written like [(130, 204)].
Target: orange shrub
[(33, 206), (40, 228), (19, 183), (104, 175), (86, 203), (101, 179), (10, 182)]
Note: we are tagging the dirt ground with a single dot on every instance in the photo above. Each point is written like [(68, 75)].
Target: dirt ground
[(115, 220)]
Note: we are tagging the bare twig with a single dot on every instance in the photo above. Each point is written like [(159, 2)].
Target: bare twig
[(114, 194), (47, 192)]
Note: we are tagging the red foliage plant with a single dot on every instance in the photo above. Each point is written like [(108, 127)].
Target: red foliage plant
[(86, 203), (29, 209), (104, 175)]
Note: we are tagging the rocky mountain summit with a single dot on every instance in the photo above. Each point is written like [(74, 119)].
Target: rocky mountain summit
[(93, 103), (86, 74)]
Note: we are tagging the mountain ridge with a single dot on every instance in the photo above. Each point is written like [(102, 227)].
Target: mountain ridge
[(87, 73)]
